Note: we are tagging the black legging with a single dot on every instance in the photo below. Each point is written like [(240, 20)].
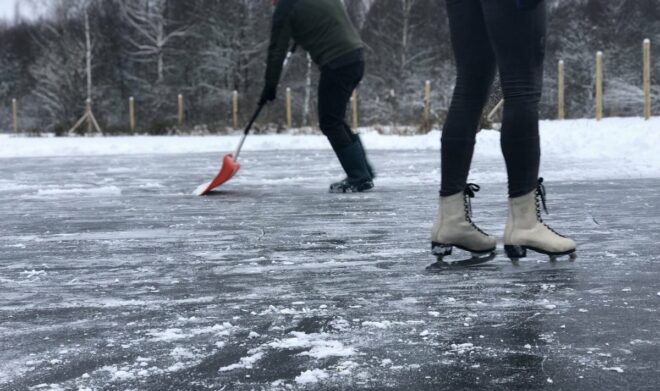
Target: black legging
[(486, 34), (335, 89)]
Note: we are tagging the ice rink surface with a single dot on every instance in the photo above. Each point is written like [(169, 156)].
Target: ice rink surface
[(114, 277)]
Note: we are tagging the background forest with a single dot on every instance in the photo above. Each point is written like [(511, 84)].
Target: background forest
[(154, 50)]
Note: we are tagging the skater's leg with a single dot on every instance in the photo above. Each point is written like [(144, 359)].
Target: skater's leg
[(454, 226), (354, 135), (475, 64), (518, 39), (335, 90)]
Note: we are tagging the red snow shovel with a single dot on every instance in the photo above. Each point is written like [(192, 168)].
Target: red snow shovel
[(230, 164)]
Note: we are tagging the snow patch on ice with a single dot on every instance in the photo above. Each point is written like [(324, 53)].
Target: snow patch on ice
[(378, 325), (175, 334), (245, 362), (324, 349), (342, 324), (181, 353), (118, 373), (116, 303), (167, 335), (312, 376), (346, 367), (33, 273), (11, 187), (122, 375), (462, 348), (151, 185), (48, 387), (80, 191), (320, 344)]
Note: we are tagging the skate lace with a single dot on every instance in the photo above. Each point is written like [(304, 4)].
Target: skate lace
[(470, 192), (542, 204)]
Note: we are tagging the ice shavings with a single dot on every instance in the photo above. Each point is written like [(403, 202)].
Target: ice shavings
[(201, 188)]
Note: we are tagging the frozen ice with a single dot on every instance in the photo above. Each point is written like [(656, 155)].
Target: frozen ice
[(114, 276)]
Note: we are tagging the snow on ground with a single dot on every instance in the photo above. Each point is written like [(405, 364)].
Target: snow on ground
[(616, 147)]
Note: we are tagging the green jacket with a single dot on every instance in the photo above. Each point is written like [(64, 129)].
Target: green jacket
[(321, 27)]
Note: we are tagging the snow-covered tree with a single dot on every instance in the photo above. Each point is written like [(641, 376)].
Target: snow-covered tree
[(403, 53), (206, 49), (60, 70), (153, 30)]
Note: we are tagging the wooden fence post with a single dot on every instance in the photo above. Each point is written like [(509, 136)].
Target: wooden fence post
[(131, 113), (234, 109), (88, 110), (561, 97), (14, 111), (354, 109), (427, 105), (180, 110), (498, 107), (599, 86), (289, 115), (647, 79)]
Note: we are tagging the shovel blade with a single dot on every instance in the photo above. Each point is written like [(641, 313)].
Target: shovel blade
[(227, 171)]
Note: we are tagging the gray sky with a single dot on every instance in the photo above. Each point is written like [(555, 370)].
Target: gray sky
[(7, 9)]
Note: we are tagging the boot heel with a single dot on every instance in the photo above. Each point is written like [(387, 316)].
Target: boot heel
[(441, 250), (515, 252)]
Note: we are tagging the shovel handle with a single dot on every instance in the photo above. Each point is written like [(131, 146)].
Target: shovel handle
[(261, 106), (247, 131)]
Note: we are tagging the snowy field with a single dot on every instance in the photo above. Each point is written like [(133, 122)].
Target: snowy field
[(114, 277), (612, 148)]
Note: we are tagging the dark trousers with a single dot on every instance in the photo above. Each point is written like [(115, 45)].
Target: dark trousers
[(485, 35), (335, 89)]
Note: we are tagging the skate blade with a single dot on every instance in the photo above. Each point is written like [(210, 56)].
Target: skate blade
[(571, 257), (475, 260), (516, 253)]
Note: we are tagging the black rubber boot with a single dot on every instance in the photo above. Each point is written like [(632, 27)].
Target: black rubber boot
[(354, 162), (366, 161)]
